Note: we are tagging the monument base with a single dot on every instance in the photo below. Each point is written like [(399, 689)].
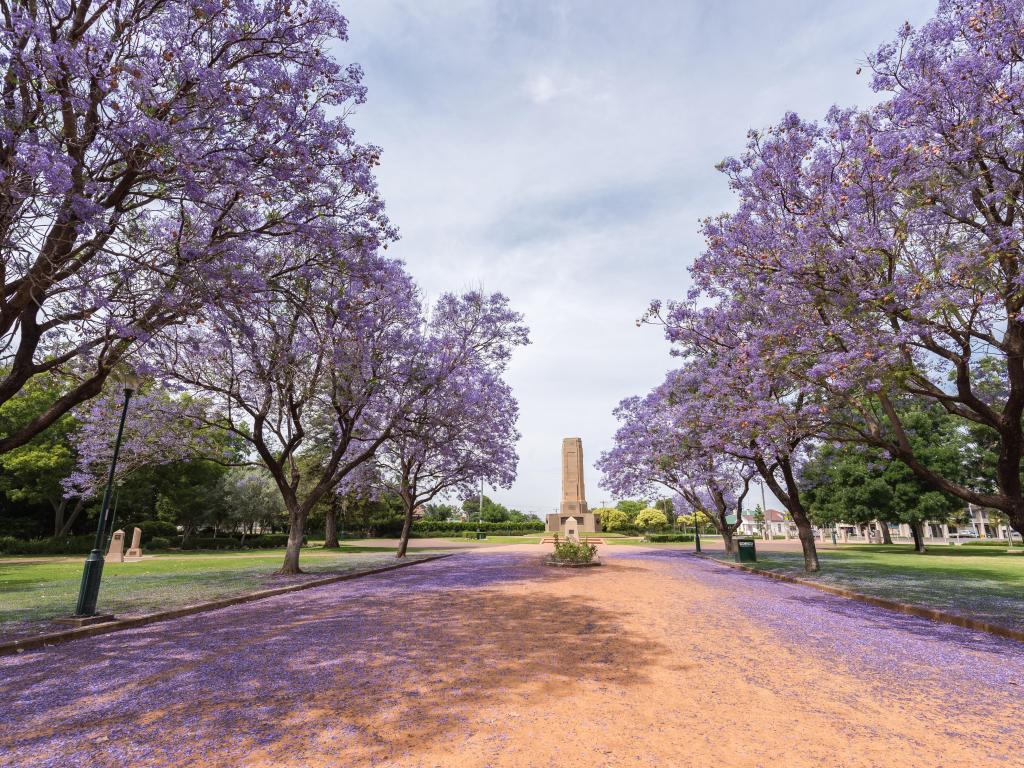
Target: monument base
[(585, 522)]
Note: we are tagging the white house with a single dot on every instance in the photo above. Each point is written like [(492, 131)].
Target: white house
[(776, 523)]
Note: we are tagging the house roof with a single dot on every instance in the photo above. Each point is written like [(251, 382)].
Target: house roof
[(771, 516)]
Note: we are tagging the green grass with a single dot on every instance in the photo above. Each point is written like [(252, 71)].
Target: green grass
[(984, 582), (35, 590)]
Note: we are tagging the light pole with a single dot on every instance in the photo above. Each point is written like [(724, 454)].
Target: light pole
[(90, 588), (764, 511), (113, 515), (480, 509)]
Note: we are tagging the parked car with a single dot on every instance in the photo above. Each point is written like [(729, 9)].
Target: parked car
[(964, 533)]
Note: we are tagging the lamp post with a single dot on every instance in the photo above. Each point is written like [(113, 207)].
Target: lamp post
[(113, 515), (90, 587), (480, 509)]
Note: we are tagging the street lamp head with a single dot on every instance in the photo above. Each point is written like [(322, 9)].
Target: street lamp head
[(131, 381)]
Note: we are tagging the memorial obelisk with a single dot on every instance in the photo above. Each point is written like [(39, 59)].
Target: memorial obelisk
[(573, 509)]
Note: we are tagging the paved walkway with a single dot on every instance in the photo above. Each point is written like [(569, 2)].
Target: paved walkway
[(489, 659)]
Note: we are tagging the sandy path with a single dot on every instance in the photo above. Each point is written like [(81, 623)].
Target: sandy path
[(488, 659)]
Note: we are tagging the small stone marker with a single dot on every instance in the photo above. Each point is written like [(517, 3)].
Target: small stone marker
[(572, 530), (135, 553), (115, 552)]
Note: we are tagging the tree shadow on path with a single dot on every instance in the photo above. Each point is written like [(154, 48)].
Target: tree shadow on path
[(364, 671)]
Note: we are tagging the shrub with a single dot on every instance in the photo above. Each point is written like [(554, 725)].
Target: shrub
[(612, 519), (573, 551), (456, 527), (669, 537), (268, 541), (989, 543), (220, 542), (159, 542), (261, 541), (471, 533), (650, 519), (69, 545), (154, 528)]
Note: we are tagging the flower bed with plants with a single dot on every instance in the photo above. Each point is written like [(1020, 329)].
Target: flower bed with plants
[(573, 554)]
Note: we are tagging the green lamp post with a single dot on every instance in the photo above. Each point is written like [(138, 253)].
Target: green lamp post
[(89, 590)]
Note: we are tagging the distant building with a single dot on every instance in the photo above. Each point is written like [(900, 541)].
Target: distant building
[(980, 525), (778, 526)]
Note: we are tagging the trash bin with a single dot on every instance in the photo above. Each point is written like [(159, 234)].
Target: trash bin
[(745, 551), (481, 535)]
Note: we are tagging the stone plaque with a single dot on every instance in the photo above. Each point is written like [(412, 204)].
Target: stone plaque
[(135, 553), (115, 552)]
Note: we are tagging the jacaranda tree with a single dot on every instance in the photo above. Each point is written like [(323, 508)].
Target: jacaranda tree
[(460, 428), (659, 444), (319, 359), (874, 259), (146, 148)]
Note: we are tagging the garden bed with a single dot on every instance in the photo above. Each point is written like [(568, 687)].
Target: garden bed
[(570, 564)]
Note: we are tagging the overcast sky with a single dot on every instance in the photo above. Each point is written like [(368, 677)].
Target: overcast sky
[(563, 152)]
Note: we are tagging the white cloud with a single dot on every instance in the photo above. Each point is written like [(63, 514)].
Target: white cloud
[(541, 89)]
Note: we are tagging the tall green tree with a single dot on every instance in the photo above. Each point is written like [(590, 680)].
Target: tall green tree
[(631, 508), (859, 483), (31, 475)]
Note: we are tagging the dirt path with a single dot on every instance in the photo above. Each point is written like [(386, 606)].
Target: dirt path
[(488, 659)]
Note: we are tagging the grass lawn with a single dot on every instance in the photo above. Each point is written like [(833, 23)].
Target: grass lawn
[(34, 590), (983, 582)]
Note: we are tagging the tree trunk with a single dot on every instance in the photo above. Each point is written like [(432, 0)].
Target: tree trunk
[(918, 534), (331, 525), (727, 539), (403, 542), (790, 498), (79, 506), (806, 533), (58, 515), (886, 537), (296, 529)]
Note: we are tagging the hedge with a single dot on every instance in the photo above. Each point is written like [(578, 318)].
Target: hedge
[(447, 527), (656, 537), (82, 545), (69, 545), (262, 541), (468, 534), (268, 541)]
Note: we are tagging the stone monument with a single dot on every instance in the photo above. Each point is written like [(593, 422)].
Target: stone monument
[(574, 501), (115, 552), (135, 553)]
